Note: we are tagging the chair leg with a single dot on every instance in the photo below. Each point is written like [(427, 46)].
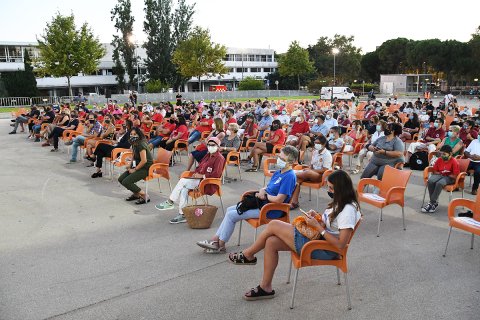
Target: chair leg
[(403, 218), (338, 277), (349, 302), (450, 197), (239, 233), (448, 239), (146, 188), (289, 270), (309, 194), (159, 189), (318, 196), (424, 194), (255, 236), (221, 202), (239, 171), (294, 288), (170, 185), (379, 220), (471, 244)]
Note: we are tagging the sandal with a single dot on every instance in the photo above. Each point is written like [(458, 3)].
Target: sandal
[(217, 250), (132, 197), (355, 171), (259, 294), (252, 169), (239, 258), (294, 206), (208, 244), (142, 200)]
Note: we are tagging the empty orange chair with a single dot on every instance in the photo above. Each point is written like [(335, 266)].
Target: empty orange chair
[(459, 181), (233, 157), (470, 225), (266, 168), (180, 145), (159, 169), (392, 190), (316, 185), (356, 150), (305, 260)]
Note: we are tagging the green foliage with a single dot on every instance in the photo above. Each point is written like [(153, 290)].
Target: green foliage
[(316, 85), (284, 82), (118, 68), (66, 51), (124, 49), (250, 83), (295, 62), (367, 87), (164, 30), (155, 86), (370, 67), (198, 55), (347, 62), (20, 83)]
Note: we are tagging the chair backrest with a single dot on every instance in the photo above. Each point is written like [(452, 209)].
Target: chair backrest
[(463, 164), (163, 156), (393, 178)]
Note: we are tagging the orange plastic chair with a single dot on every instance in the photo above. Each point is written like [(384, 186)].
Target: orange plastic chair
[(205, 135), (356, 150), (159, 169), (262, 217), (305, 260), (200, 191), (462, 223), (70, 134), (115, 161), (392, 190), (459, 181), (266, 168), (180, 145), (266, 135), (316, 185), (233, 157)]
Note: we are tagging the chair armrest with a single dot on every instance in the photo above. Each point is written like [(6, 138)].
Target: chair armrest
[(285, 207), (426, 172), (461, 177), (232, 154), (250, 143), (459, 203), (395, 191), (125, 157), (246, 192), (187, 174), (367, 181), (309, 247), (117, 151), (300, 167), (182, 141)]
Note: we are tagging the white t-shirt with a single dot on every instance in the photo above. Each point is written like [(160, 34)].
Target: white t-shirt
[(330, 123), (346, 219), (474, 148), (284, 119), (376, 135), (322, 160)]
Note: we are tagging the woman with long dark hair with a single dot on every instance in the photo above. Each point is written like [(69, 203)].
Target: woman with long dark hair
[(336, 226), (138, 170)]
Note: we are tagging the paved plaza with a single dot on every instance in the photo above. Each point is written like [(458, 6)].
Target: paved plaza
[(72, 248)]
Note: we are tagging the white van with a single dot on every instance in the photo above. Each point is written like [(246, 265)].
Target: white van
[(340, 93)]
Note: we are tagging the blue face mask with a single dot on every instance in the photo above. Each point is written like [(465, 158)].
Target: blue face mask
[(449, 133)]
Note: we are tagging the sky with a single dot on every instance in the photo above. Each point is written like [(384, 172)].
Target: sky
[(265, 23)]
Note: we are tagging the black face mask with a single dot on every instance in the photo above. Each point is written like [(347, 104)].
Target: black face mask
[(132, 140), (107, 121), (275, 127), (171, 121), (91, 121), (330, 194), (387, 132)]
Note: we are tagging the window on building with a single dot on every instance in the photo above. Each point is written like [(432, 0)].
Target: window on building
[(251, 57), (269, 58), (3, 54), (255, 69), (109, 72), (242, 69), (267, 69), (14, 54)]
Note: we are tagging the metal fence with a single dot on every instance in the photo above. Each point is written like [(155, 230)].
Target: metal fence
[(156, 97)]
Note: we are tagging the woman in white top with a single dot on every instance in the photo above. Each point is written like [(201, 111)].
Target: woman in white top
[(321, 162), (338, 222), (381, 125)]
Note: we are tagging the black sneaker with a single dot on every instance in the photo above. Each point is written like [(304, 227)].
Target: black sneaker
[(429, 208), (12, 132), (467, 214)]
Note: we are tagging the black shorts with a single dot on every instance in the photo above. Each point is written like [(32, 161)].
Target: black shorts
[(269, 147)]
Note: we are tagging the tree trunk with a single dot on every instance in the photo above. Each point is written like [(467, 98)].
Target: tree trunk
[(199, 84), (69, 87), (298, 79)]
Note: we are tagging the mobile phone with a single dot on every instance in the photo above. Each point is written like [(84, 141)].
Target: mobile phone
[(303, 211)]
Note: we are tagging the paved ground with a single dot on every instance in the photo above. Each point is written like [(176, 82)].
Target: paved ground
[(71, 248)]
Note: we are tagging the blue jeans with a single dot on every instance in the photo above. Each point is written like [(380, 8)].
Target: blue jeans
[(78, 141), (155, 142), (476, 174), (36, 128), (194, 136), (225, 230), (301, 240)]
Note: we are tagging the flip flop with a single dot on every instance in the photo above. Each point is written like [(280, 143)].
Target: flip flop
[(240, 259)]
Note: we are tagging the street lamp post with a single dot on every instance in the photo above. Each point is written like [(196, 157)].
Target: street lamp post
[(132, 41), (335, 51)]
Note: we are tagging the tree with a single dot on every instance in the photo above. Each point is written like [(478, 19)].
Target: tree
[(392, 54), (124, 42), (118, 68), (21, 83), (250, 83), (369, 67), (198, 56), (295, 62), (348, 60), (164, 30), (155, 86), (65, 51)]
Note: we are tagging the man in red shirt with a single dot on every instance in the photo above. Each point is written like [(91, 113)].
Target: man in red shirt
[(211, 166), (229, 117), (468, 133), (205, 124), (445, 172), (434, 136), (157, 117)]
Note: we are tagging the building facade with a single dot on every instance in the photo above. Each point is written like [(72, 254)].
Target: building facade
[(241, 63)]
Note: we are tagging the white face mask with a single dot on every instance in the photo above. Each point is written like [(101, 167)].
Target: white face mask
[(298, 119), (280, 163), (316, 121), (328, 117), (212, 149), (228, 132), (207, 117), (213, 126), (318, 146)]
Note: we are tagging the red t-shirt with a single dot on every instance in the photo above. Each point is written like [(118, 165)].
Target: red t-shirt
[(183, 129), (435, 133), (231, 120), (157, 117), (448, 168), (205, 128), (100, 118), (119, 122), (170, 126), (300, 128), (463, 135), (282, 136)]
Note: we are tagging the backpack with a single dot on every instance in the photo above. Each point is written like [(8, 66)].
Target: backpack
[(419, 160)]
